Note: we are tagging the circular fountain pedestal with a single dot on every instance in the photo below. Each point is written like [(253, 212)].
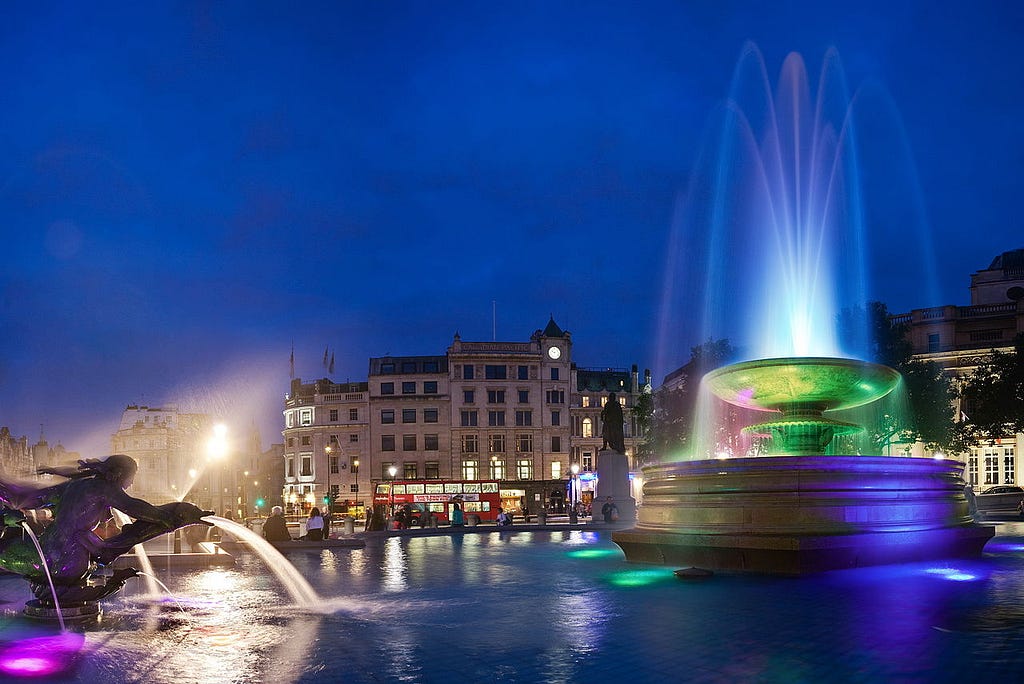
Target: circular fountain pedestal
[(75, 611), (796, 515)]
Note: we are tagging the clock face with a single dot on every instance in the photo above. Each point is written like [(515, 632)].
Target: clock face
[(554, 352)]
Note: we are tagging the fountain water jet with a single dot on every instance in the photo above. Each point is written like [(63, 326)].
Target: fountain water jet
[(797, 510)]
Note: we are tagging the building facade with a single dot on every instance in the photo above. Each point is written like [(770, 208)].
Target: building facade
[(960, 338), (483, 410)]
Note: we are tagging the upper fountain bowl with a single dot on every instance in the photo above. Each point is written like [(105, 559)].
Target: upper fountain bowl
[(820, 383)]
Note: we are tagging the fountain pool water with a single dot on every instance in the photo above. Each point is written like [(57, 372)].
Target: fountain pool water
[(553, 606)]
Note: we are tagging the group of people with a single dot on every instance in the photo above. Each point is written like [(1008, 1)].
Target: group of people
[(276, 526)]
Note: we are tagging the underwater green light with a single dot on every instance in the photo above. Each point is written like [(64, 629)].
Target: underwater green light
[(641, 578), (594, 553)]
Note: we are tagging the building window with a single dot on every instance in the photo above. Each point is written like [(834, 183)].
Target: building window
[(291, 441), (387, 368), (556, 417), (556, 470), (430, 415), (430, 366), (588, 461), (387, 388), (497, 466), (430, 387), (524, 469), (408, 415), (524, 396), (353, 414), (353, 488), (468, 419), (586, 402), (290, 419), (387, 442), (307, 463), (523, 372), (408, 388), (524, 443), (554, 373), (467, 372), (353, 438), (470, 444), (408, 442), (408, 366), (496, 418), (430, 442), (384, 474), (524, 418), (496, 444), (410, 471), (305, 440), (387, 416), (355, 466), (289, 466), (588, 427), (333, 464), (972, 468), (495, 396), (306, 417), (933, 342), (1008, 466), (470, 470), (556, 396), (467, 396), (991, 470), (334, 415), (556, 443), (432, 470), (492, 372)]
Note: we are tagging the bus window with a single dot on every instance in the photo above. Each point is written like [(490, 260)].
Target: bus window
[(399, 489), (489, 487), (414, 489), (435, 488), (383, 488), (471, 487), (452, 487)]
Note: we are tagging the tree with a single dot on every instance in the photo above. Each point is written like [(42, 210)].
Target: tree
[(993, 395), (675, 403), (929, 391)]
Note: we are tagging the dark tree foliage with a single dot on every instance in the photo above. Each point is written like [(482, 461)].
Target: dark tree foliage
[(930, 393), (675, 406), (993, 395)]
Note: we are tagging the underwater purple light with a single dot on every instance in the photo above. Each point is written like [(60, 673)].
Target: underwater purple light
[(40, 656), (953, 574)]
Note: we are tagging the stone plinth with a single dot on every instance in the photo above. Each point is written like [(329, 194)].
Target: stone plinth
[(613, 481), (795, 515)]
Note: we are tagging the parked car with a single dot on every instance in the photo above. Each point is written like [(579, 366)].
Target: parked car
[(1000, 499)]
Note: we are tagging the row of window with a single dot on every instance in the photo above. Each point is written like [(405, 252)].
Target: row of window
[(306, 465), (389, 367), (306, 440), (496, 443), (471, 469), (495, 418), (430, 442), (990, 456), (429, 387), (387, 416)]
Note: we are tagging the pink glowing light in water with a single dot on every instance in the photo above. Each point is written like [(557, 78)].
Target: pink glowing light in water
[(41, 656)]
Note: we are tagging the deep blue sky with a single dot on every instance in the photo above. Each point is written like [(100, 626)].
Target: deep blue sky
[(186, 189)]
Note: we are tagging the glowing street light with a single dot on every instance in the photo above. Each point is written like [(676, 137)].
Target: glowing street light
[(392, 471)]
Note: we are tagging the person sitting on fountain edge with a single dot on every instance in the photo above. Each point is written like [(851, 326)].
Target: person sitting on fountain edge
[(276, 527)]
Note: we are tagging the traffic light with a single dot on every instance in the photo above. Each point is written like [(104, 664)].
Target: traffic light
[(259, 503), (327, 499)]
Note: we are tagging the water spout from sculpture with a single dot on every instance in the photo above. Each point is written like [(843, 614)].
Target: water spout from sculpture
[(300, 590), (46, 569)]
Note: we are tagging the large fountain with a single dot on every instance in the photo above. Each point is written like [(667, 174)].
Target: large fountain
[(785, 223)]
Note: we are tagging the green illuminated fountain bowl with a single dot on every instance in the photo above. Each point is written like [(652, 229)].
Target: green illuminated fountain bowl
[(808, 383)]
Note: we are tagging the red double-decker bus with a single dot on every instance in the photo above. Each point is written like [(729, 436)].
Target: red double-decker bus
[(479, 497)]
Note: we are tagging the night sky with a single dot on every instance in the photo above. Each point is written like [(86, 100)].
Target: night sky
[(189, 189)]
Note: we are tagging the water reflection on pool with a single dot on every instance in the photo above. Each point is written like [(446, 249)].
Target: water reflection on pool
[(539, 607)]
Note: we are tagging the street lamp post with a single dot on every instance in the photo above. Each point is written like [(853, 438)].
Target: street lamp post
[(329, 498), (392, 471), (574, 492)]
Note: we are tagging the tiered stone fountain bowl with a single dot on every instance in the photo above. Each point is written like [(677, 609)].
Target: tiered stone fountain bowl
[(800, 511)]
